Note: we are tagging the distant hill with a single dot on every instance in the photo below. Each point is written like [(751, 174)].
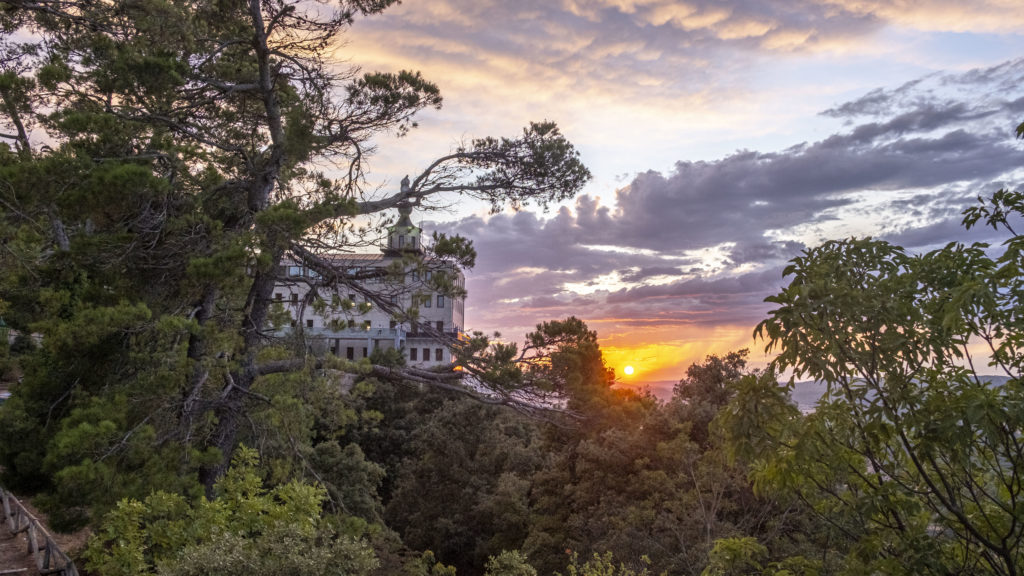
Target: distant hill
[(805, 394)]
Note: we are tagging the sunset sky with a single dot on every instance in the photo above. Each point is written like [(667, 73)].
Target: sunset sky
[(724, 137)]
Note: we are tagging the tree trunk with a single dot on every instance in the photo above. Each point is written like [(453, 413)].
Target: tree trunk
[(231, 404)]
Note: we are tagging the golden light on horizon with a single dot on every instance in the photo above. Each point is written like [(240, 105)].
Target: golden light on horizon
[(628, 370), (667, 360)]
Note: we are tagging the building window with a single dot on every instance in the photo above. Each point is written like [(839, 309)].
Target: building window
[(366, 325), (352, 298), (278, 296), (393, 324), (426, 302), (295, 270), (440, 300), (350, 353), (426, 354), (309, 323), (412, 353), (295, 298), (439, 354), (364, 352), (440, 325), (401, 241)]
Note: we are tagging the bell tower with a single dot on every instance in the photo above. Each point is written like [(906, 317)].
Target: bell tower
[(403, 236)]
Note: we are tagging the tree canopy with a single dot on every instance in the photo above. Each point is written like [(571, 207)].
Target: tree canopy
[(914, 454), (160, 159)]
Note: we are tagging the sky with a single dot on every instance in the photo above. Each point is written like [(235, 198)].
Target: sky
[(724, 137)]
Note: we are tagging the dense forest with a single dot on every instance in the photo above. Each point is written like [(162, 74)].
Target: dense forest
[(191, 145)]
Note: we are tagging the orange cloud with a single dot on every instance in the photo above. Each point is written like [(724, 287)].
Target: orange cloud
[(1001, 16)]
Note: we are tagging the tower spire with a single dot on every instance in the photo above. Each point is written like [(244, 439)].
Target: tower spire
[(403, 236)]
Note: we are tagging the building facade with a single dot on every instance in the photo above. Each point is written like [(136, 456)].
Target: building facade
[(397, 303)]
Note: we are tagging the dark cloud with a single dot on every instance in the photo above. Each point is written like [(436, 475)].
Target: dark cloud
[(705, 244), (641, 274), (763, 252)]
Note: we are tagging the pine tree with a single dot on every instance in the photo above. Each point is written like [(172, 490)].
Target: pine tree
[(163, 157)]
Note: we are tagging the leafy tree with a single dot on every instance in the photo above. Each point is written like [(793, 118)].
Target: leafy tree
[(463, 490), (913, 455), (507, 563), (736, 557), (186, 151), (705, 390), (641, 479), (247, 530), (601, 565)]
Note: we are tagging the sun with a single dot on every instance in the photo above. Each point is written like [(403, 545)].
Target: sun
[(628, 370)]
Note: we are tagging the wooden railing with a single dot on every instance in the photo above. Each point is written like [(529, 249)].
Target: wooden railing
[(49, 557)]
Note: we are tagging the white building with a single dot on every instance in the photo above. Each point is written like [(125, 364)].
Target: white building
[(409, 312)]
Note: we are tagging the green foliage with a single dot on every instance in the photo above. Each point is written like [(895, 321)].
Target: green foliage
[(143, 241), (248, 529), (541, 160), (427, 565), (642, 479), (509, 563), (463, 489), (912, 453), (746, 556), (602, 565), (705, 390), (736, 557), (456, 248)]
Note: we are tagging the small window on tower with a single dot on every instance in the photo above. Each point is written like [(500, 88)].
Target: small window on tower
[(401, 241)]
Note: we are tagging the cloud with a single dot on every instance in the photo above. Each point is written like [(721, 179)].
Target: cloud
[(1000, 16), (703, 245)]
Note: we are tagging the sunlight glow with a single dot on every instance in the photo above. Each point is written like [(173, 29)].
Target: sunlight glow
[(628, 370)]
